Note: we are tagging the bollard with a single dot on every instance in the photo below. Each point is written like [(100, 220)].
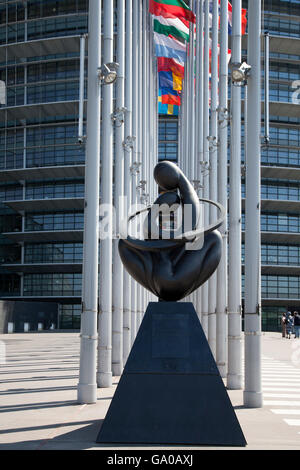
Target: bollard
[(26, 327), (10, 327), (40, 326)]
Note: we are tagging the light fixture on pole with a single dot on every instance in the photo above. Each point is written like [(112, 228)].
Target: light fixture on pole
[(108, 73), (240, 73)]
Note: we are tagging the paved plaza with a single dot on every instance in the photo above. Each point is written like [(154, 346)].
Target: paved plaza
[(38, 388)]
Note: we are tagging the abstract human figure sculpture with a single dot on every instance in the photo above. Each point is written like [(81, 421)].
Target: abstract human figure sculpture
[(171, 355), (167, 267)]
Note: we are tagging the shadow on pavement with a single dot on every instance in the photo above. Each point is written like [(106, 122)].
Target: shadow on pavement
[(78, 439)]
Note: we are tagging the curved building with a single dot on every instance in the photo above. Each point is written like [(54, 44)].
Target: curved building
[(41, 161), (42, 164)]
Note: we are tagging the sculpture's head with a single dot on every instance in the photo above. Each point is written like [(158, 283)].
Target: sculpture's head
[(167, 175)]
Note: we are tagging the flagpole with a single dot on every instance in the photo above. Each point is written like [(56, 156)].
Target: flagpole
[(87, 385), (140, 294), (142, 121), (221, 351), (253, 397), (186, 115), (149, 153), (213, 162), (234, 375), (205, 164), (144, 169), (152, 110), (134, 164), (191, 156), (199, 115), (117, 316), (127, 176), (104, 373)]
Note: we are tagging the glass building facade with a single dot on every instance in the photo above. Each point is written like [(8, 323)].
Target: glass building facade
[(42, 163)]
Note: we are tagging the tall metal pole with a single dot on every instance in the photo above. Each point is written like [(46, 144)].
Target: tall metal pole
[(205, 163), (213, 161), (199, 113), (148, 107), (267, 87), (253, 393), (140, 140), (81, 88), (186, 128), (104, 373), (134, 165), (199, 88), (191, 125), (87, 386), (234, 375), (140, 289), (145, 100), (127, 176), (117, 299), (221, 351), (144, 170)]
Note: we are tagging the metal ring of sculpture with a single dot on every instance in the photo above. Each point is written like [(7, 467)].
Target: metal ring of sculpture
[(179, 239)]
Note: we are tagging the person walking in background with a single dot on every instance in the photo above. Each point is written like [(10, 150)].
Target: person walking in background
[(297, 324), (283, 325), (289, 325)]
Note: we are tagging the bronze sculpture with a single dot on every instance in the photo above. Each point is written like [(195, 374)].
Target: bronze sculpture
[(165, 266)]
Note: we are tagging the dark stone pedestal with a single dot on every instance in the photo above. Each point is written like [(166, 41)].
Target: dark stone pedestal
[(171, 391)]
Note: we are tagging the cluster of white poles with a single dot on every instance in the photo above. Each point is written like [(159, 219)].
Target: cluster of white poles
[(203, 154), (128, 153), (121, 152)]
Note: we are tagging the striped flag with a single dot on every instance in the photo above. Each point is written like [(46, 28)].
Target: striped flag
[(171, 9), (169, 47), (170, 109), (164, 64), (169, 80), (171, 27), (169, 96), (171, 33), (244, 18)]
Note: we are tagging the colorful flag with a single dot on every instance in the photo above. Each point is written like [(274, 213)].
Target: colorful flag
[(171, 9), (164, 64), (169, 96), (171, 27), (244, 18), (170, 109), (169, 47), (169, 80)]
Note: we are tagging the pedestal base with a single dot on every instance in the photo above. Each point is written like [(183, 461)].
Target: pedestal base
[(171, 391)]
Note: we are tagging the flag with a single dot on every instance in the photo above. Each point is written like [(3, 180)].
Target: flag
[(169, 80), (244, 18), (228, 58), (164, 64), (170, 109), (171, 27), (169, 96), (171, 9), (169, 47)]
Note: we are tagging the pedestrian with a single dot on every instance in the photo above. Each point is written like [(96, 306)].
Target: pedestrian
[(283, 325), (289, 325), (297, 324)]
